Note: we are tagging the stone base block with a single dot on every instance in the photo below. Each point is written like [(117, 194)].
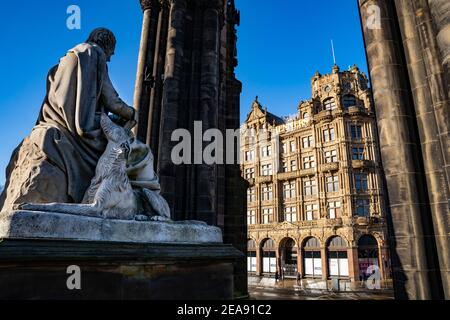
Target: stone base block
[(38, 269)]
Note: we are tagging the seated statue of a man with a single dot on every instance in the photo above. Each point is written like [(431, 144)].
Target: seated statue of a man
[(57, 162)]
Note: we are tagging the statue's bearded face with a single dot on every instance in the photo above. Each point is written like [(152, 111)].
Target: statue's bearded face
[(109, 53)]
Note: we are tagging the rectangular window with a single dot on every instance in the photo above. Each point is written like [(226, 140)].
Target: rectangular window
[(312, 212), (284, 166), (251, 195), (313, 263), (334, 210), (269, 262), (266, 170), (330, 104), (338, 263), (331, 156), (251, 261), (267, 193), (310, 188), (308, 142), (362, 207), (284, 148), (289, 191), (358, 154), (361, 184), (356, 131), (309, 162), (329, 134), (267, 216), (349, 101), (250, 173), (293, 145), (249, 155), (266, 151), (251, 217), (294, 165), (290, 214), (332, 183)]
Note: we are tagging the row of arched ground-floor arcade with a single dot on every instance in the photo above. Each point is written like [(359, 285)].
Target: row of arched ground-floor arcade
[(312, 259)]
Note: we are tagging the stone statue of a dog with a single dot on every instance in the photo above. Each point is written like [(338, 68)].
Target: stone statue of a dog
[(110, 194)]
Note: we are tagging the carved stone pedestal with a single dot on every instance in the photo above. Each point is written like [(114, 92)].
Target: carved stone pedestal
[(38, 269), (56, 226)]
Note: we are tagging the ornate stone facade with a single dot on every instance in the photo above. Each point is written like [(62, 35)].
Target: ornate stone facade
[(316, 189)]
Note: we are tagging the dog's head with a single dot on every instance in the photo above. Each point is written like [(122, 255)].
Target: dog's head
[(121, 137)]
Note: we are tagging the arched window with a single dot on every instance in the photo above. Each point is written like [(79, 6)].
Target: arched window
[(337, 257), (312, 258), (349, 101), (306, 116), (368, 256), (268, 245), (330, 104), (269, 261), (312, 243), (251, 245), (368, 241), (338, 243), (251, 256)]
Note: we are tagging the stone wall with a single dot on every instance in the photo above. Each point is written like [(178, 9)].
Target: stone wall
[(408, 62), (186, 74)]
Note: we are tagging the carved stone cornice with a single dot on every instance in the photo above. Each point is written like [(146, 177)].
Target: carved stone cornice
[(150, 4), (211, 4), (164, 4), (329, 167), (175, 3)]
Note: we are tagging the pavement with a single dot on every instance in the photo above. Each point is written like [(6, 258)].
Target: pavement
[(288, 290), (265, 293)]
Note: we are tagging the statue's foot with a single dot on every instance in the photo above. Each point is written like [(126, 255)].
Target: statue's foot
[(160, 219)]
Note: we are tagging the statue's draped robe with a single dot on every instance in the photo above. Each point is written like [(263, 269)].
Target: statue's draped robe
[(57, 161)]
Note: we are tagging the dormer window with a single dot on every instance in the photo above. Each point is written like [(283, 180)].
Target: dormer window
[(349, 101), (330, 104), (306, 116)]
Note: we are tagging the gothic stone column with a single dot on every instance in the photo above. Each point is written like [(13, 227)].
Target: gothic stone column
[(144, 80), (425, 74), (171, 99), (207, 175), (440, 16), (399, 153), (440, 9), (154, 114)]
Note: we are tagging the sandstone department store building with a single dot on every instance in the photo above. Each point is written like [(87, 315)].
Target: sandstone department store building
[(315, 198)]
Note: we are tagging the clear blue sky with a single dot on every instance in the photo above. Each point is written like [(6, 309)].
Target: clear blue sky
[(281, 44)]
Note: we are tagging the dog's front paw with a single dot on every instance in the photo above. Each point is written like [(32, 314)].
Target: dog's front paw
[(160, 219), (142, 218), (22, 206)]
